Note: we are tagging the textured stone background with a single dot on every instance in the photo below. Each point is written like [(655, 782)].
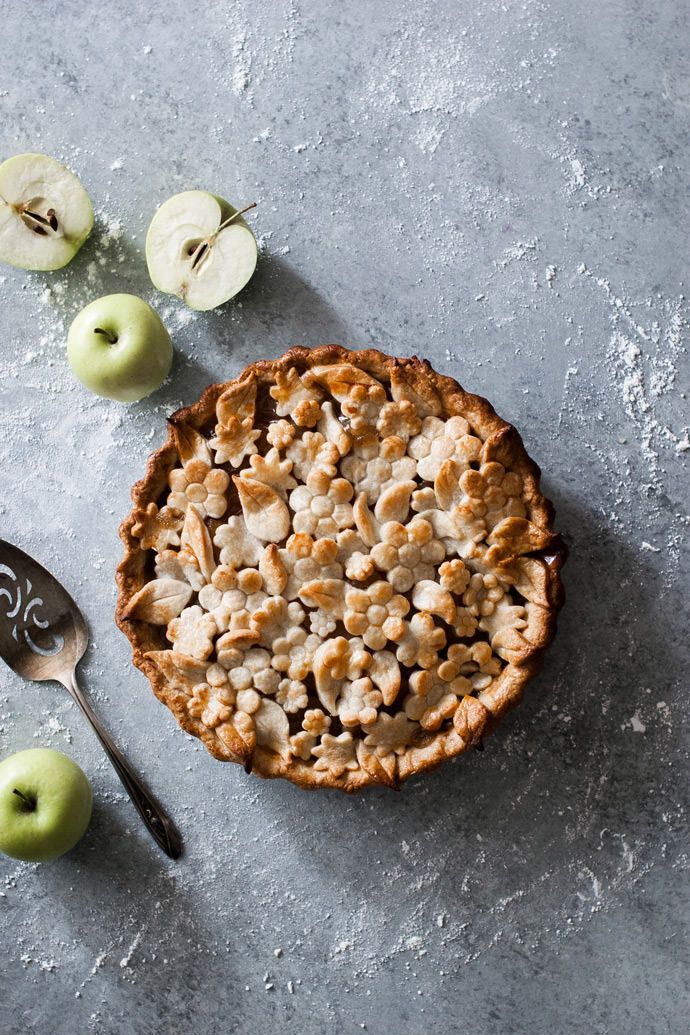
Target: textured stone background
[(503, 189)]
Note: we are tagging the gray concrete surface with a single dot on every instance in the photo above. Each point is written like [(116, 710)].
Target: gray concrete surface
[(502, 188)]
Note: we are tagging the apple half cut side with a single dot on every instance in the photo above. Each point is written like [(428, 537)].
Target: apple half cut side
[(199, 248), (45, 213)]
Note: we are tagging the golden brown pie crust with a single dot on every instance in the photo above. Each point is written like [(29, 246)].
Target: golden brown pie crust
[(476, 715)]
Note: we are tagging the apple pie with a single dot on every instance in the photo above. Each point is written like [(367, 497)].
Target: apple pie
[(339, 568)]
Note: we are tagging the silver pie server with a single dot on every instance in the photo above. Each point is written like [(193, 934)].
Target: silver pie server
[(43, 636)]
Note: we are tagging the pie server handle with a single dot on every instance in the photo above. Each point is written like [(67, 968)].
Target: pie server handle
[(160, 826)]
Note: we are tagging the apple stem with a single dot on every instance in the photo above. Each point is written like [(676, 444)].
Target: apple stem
[(111, 338), (235, 215), (28, 803), (200, 253)]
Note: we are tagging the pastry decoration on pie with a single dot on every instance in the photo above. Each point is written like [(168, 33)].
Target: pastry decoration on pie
[(339, 569)]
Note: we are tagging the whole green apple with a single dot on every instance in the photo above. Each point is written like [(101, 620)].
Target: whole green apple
[(45, 805), (45, 213), (119, 348)]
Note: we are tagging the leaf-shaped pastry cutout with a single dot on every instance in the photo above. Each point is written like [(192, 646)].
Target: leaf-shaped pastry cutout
[(340, 378), (367, 525), (394, 503), (273, 571), (531, 579), (265, 514), (181, 671), (429, 596), (514, 536), (418, 389), (271, 470), (235, 744), (272, 727), (190, 444), (328, 594), (447, 485), (332, 430), (513, 646), (382, 770), (196, 537), (384, 672), (470, 719), (503, 446), (327, 686), (238, 400), (159, 601)]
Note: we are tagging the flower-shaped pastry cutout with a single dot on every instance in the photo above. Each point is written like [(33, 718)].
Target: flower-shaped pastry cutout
[(354, 553), (376, 614), (275, 617), (157, 529), (294, 398), (301, 745), (335, 661), (362, 408), (235, 441), (201, 485), (321, 623), (314, 724), (359, 702), (390, 734), (407, 553), (232, 591), (421, 643), (292, 695), (310, 451), (322, 506), (245, 670), (238, 547), (433, 699), (207, 704), (388, 468), (280, 433), (335, 754), (483, 593), (500, 492), (305, 559), (192, 632), (399, 418), (293, 653), (271, 470), (441, 440), (454, 576)]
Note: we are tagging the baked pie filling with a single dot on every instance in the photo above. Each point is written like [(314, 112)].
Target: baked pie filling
[(339, 569)]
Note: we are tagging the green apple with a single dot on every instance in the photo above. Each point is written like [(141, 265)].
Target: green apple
[(119, 348), (199, 248), (45, 805), (45, 213)]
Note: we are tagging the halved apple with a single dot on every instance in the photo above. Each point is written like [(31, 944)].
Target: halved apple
[(45, 213), (199, 248)]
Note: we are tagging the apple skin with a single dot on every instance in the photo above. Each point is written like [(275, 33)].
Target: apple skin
[(138, 361), (63, 803)]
